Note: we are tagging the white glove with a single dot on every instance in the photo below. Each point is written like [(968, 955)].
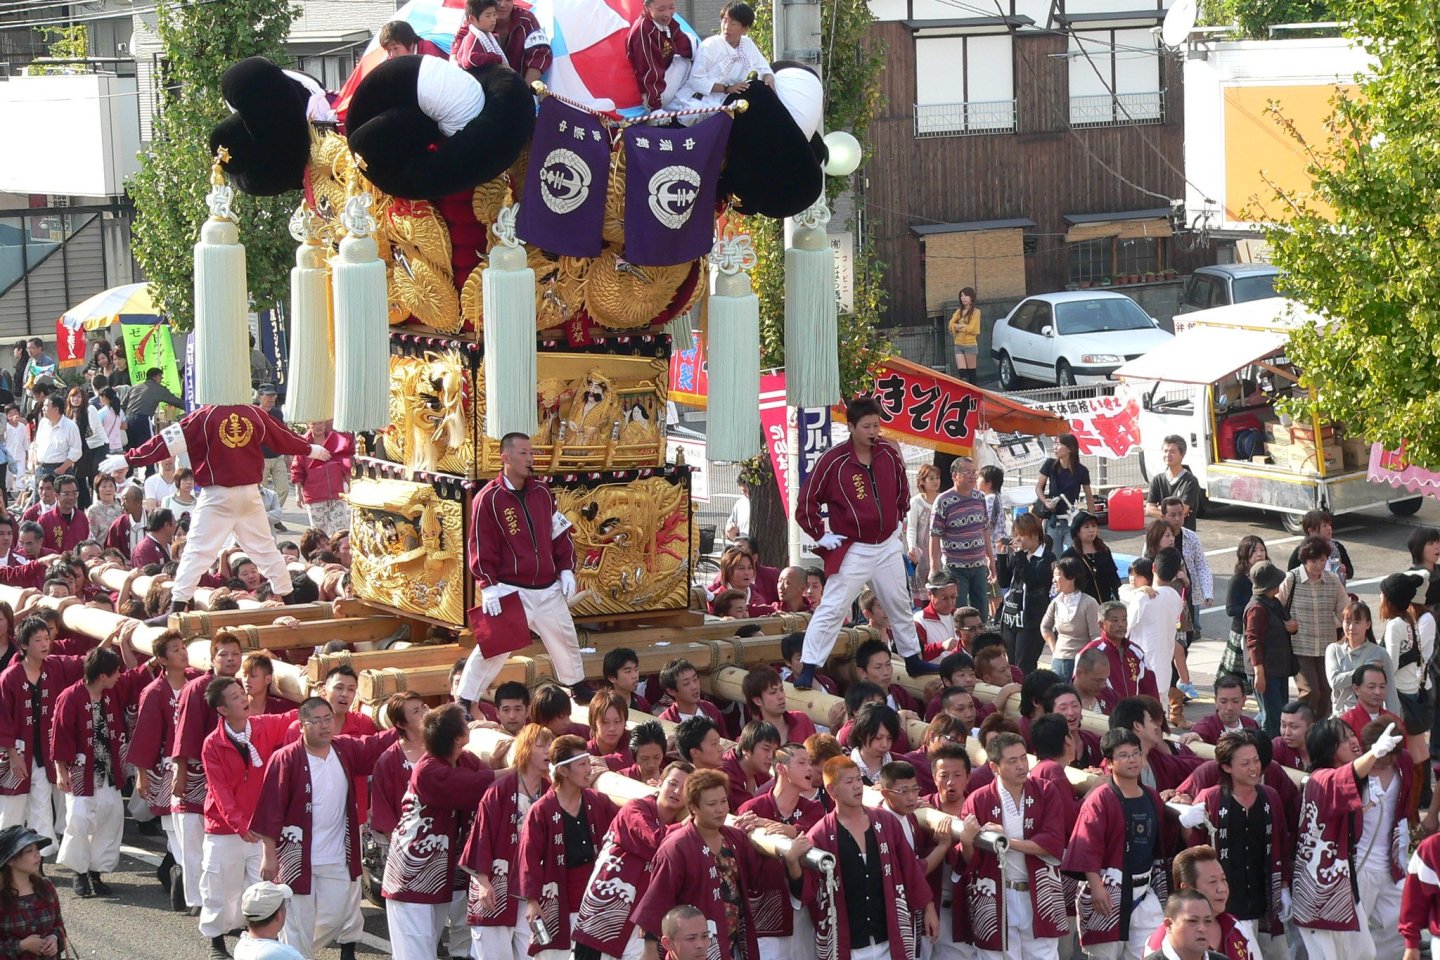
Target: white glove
[(830, 541), (1192, 816), (1283, 913), (318, 452), (1387, 741), (490, 600), (567, 584), (114, 462)]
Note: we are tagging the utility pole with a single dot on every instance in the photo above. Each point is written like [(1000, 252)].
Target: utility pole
[(796, 37)]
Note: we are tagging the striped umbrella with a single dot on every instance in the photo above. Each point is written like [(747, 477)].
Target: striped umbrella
[(108, 306)]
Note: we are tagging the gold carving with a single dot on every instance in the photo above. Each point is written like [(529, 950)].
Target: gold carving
[(623, 296), (613, 231), (632, 545), (594, 412), (236, 431), (408, 548), (433, 420), (489, 197)]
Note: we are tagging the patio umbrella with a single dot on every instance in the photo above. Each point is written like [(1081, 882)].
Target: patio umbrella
[(108, 306)]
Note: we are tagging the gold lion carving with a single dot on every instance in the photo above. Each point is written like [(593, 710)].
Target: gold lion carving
[(409, 548), (432, 419), (632, 545)]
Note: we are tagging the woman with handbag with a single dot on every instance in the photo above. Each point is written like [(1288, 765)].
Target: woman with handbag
[(1268, 631), (1026, 566), (30, 924), (1063, 480)]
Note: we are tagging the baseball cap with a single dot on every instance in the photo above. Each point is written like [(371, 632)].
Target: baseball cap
[(261, 900), (268, 388)]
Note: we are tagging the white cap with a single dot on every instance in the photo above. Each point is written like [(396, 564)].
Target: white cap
[(261, 900)]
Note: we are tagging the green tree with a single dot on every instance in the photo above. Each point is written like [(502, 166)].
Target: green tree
[(851, 63), (65, 43), (1256, 17), (201, 40), (1363, 244)]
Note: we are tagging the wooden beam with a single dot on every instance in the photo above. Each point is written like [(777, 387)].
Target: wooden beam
[(203, 623), (396, 658), (314, 633)]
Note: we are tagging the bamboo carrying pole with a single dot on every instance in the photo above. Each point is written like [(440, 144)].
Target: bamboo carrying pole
[(202, 623), (405, 659), (112, 577)]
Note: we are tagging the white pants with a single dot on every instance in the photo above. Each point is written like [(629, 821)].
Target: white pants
[(1341, 944), (220, 512), (500, 943), (330, 912), (876, 951), (457, 926), (774, 948), (42, 809), (549, 616), (561, 954), (227, 866), (190, 838), (172, 844), (882, 566), (415, 928), (93, 828), (1146, 914), (1380, 896), (944, 946), (1020, 943)]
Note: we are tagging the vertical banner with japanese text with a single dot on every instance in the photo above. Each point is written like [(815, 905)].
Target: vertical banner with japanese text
[(777, 434)]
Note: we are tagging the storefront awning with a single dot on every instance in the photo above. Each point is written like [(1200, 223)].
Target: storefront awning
[(1204, 355)]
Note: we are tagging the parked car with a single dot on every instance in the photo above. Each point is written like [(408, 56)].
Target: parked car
[(1071, 338), (1227, 283)]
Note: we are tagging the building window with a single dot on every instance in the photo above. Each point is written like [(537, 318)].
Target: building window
[(1139, 255), (964, 85), (1091, 260), (1115, 78)]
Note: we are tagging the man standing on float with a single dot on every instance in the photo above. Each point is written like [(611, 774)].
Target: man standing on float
[(862, 481), (520, 544)]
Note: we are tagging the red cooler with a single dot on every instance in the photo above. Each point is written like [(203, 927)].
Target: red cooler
[(1127, 509)]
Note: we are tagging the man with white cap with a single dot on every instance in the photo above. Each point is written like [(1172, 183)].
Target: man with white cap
[(263, 905)]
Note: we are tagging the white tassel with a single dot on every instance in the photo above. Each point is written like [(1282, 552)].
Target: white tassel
[(508, 290), (311, 395), (362, 325), (812, 360), (732, 428), (682, 331), (222, 302)]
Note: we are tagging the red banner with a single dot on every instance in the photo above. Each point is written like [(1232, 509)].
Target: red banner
[(688, 381), (70, 344), (775, 425), (926, 408)]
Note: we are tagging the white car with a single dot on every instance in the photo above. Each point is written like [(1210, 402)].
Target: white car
[(1080, 337)]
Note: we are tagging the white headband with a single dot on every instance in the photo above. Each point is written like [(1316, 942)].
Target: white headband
[(556, 766)]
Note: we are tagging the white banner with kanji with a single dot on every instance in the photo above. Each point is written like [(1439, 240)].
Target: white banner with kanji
[(1107, 426)]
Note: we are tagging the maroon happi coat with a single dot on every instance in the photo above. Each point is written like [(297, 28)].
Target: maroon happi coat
[(1044, 818), (387, 788), (1054, 774), (283, 813), (1129, 677), (686, 872), (772, 900), (542, 859), (1097, 845), (72, 735), (17, 722), (622, 875), (150, 743), (193, 722), (1211, 798), (420, 867), (493, 851), (905, 888), (1208, 775), (1321, 887)]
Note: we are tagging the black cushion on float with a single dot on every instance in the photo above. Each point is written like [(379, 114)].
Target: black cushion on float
[(268, 136), (404, 154), (771, 169)]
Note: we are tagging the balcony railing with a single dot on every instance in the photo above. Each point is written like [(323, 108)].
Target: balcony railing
[(962, 119), (1120, 109)]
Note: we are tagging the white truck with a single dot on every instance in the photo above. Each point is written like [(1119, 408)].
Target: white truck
[(1216, 385)]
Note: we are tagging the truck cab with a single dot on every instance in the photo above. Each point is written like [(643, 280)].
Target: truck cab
[(1217, 385)]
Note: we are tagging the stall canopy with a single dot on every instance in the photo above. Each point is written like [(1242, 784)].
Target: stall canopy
[(1394, 468), (108, 306), (1204, 355)]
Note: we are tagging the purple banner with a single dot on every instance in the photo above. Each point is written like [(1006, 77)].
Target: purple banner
[(671, 174), (566, 183)]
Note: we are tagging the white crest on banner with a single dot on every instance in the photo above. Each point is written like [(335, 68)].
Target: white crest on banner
[(564, 181), (673, 190)]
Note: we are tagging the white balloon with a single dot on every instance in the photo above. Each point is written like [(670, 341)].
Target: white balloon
[(844, 153)]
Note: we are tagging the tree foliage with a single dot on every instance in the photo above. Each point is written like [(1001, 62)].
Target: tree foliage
[(1256, 17), (1363, 246), (200, 41), (62, 43)]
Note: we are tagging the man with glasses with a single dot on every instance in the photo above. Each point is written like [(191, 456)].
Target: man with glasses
[(960, 537), (308, 821), (935, 622)]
